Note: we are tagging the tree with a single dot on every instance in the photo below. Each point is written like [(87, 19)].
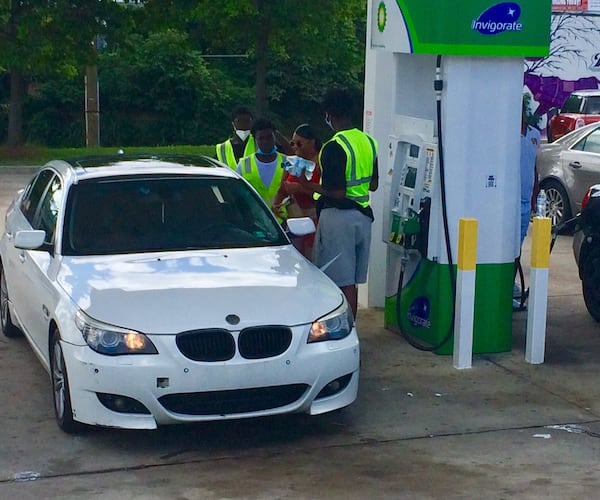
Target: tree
[(39, 38), (304, 47), (157, 90)]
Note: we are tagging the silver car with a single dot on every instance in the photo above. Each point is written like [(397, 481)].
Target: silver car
[(567, 168)]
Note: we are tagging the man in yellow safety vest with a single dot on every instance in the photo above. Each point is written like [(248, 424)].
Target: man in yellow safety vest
[(264, 169), (241, 143), (348, 172)]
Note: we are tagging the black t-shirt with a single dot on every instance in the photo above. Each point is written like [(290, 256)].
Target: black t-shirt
[(238, 149), (333, 177)]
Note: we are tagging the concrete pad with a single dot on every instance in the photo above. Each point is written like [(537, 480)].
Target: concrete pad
[(419, 429)]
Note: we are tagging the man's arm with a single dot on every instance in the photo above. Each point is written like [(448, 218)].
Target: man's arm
[(374, 184)]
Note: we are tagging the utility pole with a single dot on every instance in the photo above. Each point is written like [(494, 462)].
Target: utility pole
[(92, 107)]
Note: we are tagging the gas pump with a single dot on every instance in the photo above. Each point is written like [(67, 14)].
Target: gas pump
[(412, 225), (448, 109), (411, 190)]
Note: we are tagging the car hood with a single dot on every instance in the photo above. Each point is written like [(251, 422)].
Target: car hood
[(180, 291)]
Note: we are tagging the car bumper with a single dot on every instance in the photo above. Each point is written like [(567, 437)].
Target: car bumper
[(311, 378)]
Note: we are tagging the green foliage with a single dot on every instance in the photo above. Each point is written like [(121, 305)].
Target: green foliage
[(531, 118), (40, 155), (163, 86), (164, 71)]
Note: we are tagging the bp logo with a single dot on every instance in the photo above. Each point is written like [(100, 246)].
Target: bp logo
[(418, 313), (498, 19), (381, 17)]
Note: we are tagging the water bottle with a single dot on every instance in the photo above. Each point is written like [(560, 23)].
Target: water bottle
[(541, 204), (296, 165)]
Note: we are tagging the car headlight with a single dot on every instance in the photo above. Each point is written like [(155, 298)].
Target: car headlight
[(334, 326), (112, 340)]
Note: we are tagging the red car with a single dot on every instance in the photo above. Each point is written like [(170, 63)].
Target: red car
[(581, 108)]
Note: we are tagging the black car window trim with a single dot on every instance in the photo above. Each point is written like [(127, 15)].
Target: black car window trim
[(48, 212), (32, 197)]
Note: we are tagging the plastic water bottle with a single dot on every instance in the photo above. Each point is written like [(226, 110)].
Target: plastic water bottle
[(541, 203), (296, 165)]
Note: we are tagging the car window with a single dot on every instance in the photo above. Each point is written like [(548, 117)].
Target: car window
[(33, 194), (47, 214), (144, 214), (590, 143), (592, 105), (572, 104)]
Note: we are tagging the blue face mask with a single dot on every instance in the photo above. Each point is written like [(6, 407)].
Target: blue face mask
[(273, 151)]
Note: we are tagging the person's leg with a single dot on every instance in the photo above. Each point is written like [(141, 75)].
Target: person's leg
[(351, 294)]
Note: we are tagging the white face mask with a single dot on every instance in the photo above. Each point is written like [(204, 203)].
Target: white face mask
[(242, 134)]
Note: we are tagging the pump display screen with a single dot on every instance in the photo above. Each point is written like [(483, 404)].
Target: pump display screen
[(414, 151), (411, 177)]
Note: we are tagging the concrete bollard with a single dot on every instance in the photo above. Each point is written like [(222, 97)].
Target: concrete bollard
[(465, 293), (538, 290)]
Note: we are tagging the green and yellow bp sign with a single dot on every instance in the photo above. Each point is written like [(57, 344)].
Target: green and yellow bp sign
[(465, 27)]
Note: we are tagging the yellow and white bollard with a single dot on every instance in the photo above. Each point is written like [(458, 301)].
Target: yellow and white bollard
[(538, 290), (465, 293)]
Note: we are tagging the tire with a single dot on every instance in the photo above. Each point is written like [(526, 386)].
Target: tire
[(558, 206), (61, 396), (8, 327), (590, 283)]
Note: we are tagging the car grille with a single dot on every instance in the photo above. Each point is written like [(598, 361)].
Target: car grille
[(233, 402), (206, 345), (219, 345), (264, 342)]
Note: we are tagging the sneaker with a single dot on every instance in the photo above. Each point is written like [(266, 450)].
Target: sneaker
[(516, 291), (516, 305)]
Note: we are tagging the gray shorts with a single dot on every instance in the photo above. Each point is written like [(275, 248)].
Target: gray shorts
[(346, 233)]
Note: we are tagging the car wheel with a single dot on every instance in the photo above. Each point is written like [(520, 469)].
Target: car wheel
[(60, 388), (590, 281), (8, 327), (558, 207)]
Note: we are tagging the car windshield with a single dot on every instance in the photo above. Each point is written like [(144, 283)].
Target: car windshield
[(147, 214)]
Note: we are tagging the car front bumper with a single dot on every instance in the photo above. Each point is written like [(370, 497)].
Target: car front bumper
[(311, 378)]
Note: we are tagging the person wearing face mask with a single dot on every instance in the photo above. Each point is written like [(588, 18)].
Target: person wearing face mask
[(348, 173), (241, 143), (264, 168)]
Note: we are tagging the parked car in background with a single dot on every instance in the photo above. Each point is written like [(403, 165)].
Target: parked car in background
[(162, 290), (567, 168), (581, 108)]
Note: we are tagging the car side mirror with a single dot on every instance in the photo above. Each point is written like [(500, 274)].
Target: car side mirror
[(553, 112), (30, 239), (301, 226)]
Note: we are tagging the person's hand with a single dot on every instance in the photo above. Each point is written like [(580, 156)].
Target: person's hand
[(278, 209)]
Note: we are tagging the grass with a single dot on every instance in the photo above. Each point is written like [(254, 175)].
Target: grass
[(39, 155)]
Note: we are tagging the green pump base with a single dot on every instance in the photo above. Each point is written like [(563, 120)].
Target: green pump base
[(426, 305)]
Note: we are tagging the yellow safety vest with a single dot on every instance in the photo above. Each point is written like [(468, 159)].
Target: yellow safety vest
[(225, 152), (249, 171), (361, 151)]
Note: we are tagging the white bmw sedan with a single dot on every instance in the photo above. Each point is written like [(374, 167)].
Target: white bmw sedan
[(161, 290)]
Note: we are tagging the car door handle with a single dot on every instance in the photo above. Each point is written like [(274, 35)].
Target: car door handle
[(575, 164)]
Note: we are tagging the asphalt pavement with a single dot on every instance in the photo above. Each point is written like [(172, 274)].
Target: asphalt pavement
[(419, 429)]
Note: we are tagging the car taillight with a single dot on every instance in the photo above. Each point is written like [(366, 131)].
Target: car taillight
[(593, 191), (586, 198)]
